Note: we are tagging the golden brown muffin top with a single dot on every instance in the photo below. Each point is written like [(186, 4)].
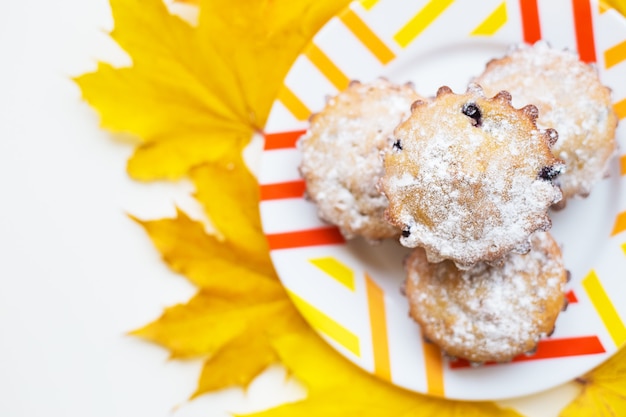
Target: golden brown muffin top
[(469, 178), (488, 313)]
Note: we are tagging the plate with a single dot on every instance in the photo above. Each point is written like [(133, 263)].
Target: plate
[(350, 291)]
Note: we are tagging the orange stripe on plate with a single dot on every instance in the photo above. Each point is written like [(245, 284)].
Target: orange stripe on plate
[(367, 37), (553, 348), (615, 54), (327, 67), (531, 26), (427, 15), (605, 308), (620, 108), (304, 238), (299, 110), (433, 364), (571, 297), (622, 165), (280, 190), (282, 140), (583, 20), (378, 323), (620, 224)]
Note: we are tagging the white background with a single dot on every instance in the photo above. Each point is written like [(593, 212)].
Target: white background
[(76, 274)]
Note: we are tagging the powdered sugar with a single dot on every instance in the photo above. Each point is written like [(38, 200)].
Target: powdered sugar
[(489, 312), (468, 193), (570, 99), (341, 160)]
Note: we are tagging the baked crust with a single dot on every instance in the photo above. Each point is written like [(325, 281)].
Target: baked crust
[(571, 99), (341, 161), (488, 313), (469, 178)]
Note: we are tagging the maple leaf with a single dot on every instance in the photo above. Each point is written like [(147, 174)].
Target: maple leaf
[(162, 99), (262, 38), (230, 196), (208, 262), (196, 94), (619, 5), (231, 291), (233, 333), (338, 388), (234, 315), (236, 364), (604, 390), (208, 322)]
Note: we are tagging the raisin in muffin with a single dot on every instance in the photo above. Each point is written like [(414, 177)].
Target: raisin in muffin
[(570, 98), (470, 178)]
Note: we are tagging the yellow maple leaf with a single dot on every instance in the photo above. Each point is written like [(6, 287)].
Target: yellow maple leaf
[(236, 364), (233, 333), (619, 5), (604, 390), (162, 98), (196, 94), (208, 262), (231, 290), (337, 388), (230, 196), (233, 317), (208, 322), (262, 37)]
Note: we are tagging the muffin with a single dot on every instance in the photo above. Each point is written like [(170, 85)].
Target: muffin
[(341, 156), (470, 178), (570, 98), (488, 312)]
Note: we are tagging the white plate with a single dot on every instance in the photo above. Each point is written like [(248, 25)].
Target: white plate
[(349, 291)]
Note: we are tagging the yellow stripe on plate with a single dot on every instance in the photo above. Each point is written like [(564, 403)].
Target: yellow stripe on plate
[(615, 54), (624, 248), (378, 323), (299, 110), (620, 108), (603, 7), (603, 305), (368, 4), (492, 23), (325, 324), (421, 21), (368, 38), (433, 364), (327, 67), (336, 270)]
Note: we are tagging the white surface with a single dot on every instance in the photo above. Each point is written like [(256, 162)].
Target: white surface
[(76, 273)]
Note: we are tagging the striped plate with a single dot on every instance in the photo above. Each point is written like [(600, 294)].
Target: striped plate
[(349, 291)]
